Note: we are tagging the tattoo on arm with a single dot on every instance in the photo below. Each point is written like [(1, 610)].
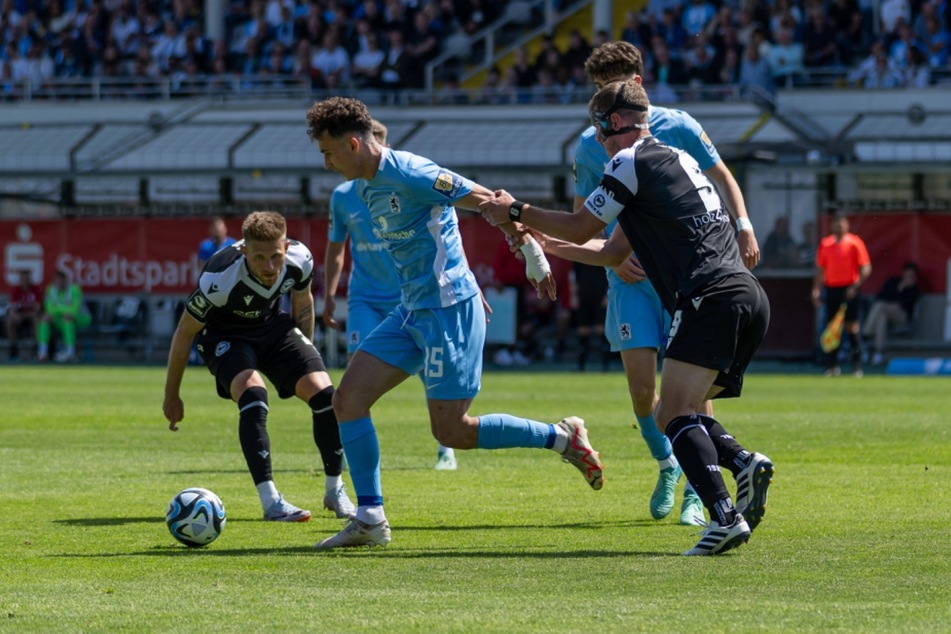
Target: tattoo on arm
[(305, 321)]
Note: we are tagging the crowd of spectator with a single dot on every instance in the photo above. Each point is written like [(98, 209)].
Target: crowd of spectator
[(386, 44)]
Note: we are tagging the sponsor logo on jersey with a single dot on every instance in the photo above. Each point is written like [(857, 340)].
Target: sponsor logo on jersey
[(222, 347), (198, 304), (701, 220), (286, 286), (703, 137), (394, 204), (248, 314), (247, 299), (447, 184)]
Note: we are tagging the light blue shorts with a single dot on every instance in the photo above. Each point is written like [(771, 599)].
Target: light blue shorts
[(444, 343), (362, 318), (636, 318)]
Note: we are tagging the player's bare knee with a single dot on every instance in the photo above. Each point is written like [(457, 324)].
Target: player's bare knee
[(643, 396), (456, 434)]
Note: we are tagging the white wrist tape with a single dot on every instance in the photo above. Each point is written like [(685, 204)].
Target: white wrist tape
[(743, 224), (536, 264)]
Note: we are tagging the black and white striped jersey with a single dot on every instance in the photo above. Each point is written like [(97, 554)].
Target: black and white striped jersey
[(671, 214), (228, 297)]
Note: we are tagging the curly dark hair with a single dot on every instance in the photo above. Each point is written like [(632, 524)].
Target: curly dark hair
[(338, 116), (612, 60), (264, 226)]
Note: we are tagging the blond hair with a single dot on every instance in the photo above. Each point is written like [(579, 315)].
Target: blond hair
[(264, 226)]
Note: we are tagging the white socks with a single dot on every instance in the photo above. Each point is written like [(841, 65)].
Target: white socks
[(667, 463), (561, 440), (370, 514), (268, 494), (332, 483)]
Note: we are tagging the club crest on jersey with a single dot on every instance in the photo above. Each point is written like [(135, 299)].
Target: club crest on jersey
[(222, 347), (198, 304), (447, 184), (286, 286), (394, 204)]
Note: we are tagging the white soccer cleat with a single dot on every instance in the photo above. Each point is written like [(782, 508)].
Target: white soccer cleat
[(284, 511), (719, 539), (581, 454), (446, 462), (357, 533), (338, 502)]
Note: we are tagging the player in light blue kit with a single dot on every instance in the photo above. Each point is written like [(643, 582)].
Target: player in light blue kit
[(374, 286), (636, 323), (439, 326)]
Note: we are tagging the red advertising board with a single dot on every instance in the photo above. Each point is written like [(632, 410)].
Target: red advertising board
[(157, 255)]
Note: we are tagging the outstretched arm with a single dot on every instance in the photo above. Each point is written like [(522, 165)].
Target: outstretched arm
[(598, 252), (537, 268), (577, 227)]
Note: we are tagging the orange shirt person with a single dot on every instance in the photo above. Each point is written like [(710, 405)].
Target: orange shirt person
[(843, 266)]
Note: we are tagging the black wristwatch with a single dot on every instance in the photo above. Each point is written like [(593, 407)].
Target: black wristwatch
[(515, 209)]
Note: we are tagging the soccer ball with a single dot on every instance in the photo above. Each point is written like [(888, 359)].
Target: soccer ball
[(195, 517)]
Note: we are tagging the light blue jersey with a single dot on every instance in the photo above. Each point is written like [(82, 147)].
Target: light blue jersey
[(373, 279), (677, 129), (411, 205), (374, 286)]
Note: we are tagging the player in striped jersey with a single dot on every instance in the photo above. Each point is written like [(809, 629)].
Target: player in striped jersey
[(671, 214), (234, 316)]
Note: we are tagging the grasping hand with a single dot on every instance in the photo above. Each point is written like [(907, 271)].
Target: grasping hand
[(630, 270), (496, 210)]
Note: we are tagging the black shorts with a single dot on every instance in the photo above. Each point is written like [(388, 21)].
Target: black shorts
[(720, 329), (280, 352), (835, 297)]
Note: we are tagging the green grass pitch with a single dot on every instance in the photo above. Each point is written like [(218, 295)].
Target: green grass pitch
[(856, 537)]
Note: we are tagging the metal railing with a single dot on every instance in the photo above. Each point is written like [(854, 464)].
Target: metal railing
[(160, 89), (269, 87)]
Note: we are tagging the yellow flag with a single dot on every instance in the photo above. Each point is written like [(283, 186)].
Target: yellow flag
[(832, 335)]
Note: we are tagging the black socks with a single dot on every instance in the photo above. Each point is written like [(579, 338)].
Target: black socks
[(252, 431), (326, 431), (698, 458)]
